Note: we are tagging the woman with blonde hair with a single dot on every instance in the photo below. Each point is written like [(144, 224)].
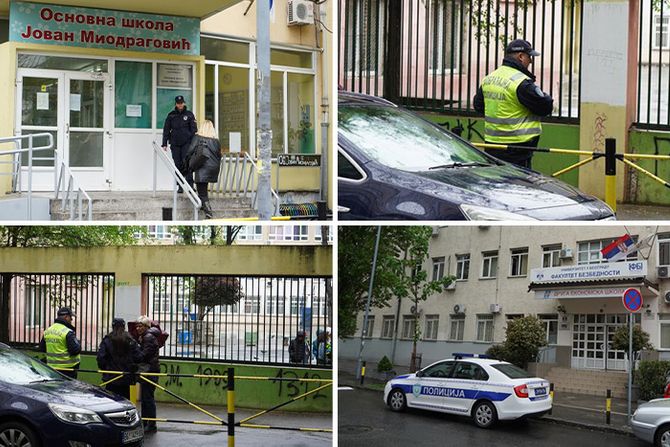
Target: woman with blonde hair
[(204, 160)]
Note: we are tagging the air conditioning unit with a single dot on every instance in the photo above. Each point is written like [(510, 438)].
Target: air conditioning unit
[(451, 286), (566, 253), (300, 12), (663, 271), (666, 297), (459, 309), (495, 308)]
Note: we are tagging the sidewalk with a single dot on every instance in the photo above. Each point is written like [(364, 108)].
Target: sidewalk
[(570, 409)]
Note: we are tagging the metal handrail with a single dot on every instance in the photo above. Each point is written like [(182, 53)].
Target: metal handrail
[(71, 190), (16, 162), (179, 180)]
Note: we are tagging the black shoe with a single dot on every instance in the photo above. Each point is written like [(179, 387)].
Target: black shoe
[(207, 209), (150, 428), (180, 190)]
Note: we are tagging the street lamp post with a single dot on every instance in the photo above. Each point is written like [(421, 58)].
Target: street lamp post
[(364, 332), (264, 130)]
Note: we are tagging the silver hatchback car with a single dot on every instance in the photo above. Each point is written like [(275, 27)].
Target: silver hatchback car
[(651, 422)]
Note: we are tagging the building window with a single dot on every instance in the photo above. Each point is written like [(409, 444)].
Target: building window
[(664, 249), (513, 316), (159, 232), (388, 326), (551, 256), (462, 267), (589, 252), (432, 322), (289, 233), (445, 17), (371, 326), (661, 31), (489, 264), (408, 326), (364, 26), (519, 264), (457, 327), (274, 305), (250, 233), (318, 233), (665, 330), (550, 323), (485, 327), (34, 297), (252, 305), (438, 268), (296, 304)]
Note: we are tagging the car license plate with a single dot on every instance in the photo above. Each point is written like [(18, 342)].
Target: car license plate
[(133, 435), (540, 391)]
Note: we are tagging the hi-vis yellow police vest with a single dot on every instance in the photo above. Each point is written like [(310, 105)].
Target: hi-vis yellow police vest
[(507, 121), (57, 355)]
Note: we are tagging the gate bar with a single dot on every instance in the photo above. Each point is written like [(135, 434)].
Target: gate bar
[(285, 403)]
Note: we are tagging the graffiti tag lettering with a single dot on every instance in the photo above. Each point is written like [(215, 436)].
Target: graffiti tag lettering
[(465, 130)]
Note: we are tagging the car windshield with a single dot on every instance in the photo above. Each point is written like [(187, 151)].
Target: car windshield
[(511, 371), (19, 369), (399, 139)]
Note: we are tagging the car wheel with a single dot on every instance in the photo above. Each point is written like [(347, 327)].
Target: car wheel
[(397, 400), (484, 414), (662, 437), (16, 434)]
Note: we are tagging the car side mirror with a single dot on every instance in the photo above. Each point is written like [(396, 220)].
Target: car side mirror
[(419, 373)]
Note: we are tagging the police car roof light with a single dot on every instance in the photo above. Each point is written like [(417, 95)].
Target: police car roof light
[(460, 355)]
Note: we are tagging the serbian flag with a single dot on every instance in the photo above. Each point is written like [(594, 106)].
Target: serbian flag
[(619, 249)]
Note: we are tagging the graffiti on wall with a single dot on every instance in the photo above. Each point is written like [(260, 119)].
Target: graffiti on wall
[(599, 131)]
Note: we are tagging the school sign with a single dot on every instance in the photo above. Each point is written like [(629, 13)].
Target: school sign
[(103, 28)]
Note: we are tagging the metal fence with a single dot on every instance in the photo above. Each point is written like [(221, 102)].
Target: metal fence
[(30, 302), (653, 73), (432, 54), (246, 319)]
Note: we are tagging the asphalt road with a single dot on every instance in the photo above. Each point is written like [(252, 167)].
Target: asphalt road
[(364, 420)]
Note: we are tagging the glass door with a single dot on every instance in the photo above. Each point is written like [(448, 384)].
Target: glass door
[(39, 98), (87, 133)]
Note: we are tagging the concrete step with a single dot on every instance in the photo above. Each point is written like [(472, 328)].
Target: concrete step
[(144, 206), (590, 382)]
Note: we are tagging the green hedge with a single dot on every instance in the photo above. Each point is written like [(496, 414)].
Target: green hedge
[(650, 376)]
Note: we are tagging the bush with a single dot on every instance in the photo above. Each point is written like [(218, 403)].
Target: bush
[(524, 338), (497, 352), (384, 365), (650, 377)]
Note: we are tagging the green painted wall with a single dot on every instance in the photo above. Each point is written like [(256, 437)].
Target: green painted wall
[(248, 393), (649, 191), (564, 136)]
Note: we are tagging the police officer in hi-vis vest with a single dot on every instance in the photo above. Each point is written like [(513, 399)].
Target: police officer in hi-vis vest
[(513, 104), (60, 343)]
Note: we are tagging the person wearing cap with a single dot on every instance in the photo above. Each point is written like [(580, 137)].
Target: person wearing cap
[(298, 349), (119, 352), (512, 105), (61, 344), (179, 129)]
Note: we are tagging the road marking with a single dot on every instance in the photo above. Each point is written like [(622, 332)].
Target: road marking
[(598, 410), (344, 388)]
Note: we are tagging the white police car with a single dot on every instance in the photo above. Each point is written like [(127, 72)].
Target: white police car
[(488, 390)]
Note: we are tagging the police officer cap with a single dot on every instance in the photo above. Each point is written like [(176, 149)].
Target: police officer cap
[(63, 311), (178, 99), (118, 322), (521, 46)]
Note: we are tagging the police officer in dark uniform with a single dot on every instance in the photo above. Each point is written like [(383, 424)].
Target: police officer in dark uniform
[(179, 129)]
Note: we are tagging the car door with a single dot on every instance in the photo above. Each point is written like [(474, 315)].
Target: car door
[(429, 388), (352, 181), (464, 385)]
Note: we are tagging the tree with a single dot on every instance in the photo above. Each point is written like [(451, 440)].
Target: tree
[(212, 291), (523, 339), (205, 235), (70, 236), (640, 339)]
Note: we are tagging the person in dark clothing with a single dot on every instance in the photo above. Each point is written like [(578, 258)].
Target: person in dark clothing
[(204, 160), (513, 104), (149, 346), (61, 344), (298, 349), (119, 352), (179, 129)]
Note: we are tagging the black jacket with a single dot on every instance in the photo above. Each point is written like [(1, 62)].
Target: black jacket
[(125, 358), (529, 94), (209, 171), (149, 346), (73, 345), (179, 127)]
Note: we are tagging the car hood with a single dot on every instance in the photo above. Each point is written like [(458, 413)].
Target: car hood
[(77, 394), (656, 403), (505, 187)]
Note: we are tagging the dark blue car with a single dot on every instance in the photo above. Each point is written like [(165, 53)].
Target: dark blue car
[(393, 164), (40, 407)]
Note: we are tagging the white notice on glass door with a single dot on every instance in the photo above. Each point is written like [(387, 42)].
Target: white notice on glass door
[(134, 110), (42, 101), (75, 102), (235, 139)]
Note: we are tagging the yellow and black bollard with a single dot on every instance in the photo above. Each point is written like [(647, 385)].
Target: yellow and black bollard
[(610, 173), (551, 394), (231, 407), (608, 407), (362, 373)]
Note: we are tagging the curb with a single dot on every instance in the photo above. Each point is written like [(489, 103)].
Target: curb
[(602, 428)]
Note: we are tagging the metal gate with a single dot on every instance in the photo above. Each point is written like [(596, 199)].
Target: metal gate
[(30, 302), (246, 319)]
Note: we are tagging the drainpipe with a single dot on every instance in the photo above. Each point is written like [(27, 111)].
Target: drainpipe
[(264, 129), (325, 124)]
